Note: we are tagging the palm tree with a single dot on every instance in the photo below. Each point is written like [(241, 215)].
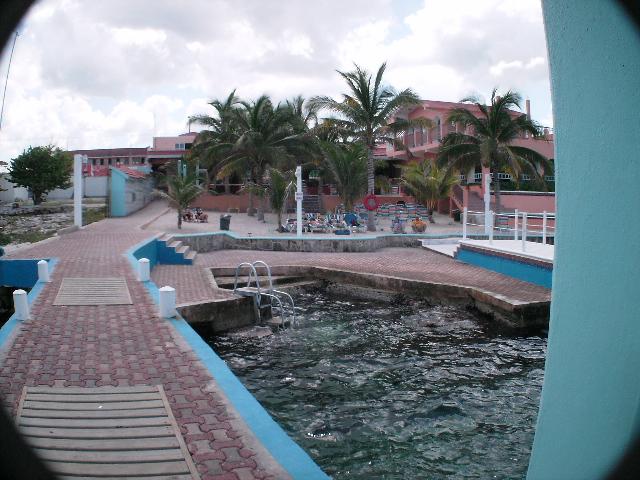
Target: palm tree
[(347, 165), (181, 192), (487, 140), (279, 186), (267, 137), (364, 113), (212, 145), (428, 183)]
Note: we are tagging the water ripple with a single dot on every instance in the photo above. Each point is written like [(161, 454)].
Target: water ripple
[(395, 392)]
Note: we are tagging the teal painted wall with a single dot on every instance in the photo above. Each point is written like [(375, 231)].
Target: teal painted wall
[(590, 398), (117, 194)]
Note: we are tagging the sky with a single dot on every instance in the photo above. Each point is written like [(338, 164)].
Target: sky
[(89, 74)]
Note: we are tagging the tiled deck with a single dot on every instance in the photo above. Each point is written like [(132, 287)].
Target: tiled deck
[(126, 345)]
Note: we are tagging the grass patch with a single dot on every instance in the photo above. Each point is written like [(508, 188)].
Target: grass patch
[(91, 215)]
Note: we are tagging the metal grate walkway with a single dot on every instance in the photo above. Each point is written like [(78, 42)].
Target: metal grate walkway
[(93, 291), (115, 432)]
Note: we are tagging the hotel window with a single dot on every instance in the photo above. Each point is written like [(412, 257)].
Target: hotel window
[(438, 129), (126, 161), (179, 146)]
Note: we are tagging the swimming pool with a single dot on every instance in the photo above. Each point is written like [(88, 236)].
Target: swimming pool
[(373, 390)]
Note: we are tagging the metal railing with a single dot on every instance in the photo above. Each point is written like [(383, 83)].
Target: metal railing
[(521, 224), (271, 293)]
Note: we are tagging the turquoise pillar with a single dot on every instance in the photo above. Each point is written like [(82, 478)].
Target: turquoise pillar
[(591, 395)]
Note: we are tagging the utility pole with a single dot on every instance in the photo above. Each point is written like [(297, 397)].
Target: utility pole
[(6, 80)]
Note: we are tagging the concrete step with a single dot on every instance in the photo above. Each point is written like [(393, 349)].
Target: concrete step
[(191, 255), (278, 281), (277, 322), (175, 244), (448, 249), (183, 250)]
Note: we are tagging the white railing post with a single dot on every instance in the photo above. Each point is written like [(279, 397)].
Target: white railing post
[(167, 305), (144, 270), (515, 225), (524, 231), (21, 305), (77, 190), (487, 202), (491, 214), (43, 271), (544, 227), (464, 223)]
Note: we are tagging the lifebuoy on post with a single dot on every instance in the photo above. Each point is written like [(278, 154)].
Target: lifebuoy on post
[(370, 202)]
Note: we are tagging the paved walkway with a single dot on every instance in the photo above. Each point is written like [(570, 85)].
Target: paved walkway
[(410, 263), (126, 345)]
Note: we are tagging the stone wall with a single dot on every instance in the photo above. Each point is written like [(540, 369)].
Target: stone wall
[(223, 241)]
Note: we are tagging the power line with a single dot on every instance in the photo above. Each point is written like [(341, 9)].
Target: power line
[(6, 80)]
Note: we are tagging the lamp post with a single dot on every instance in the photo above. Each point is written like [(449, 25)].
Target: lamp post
[(299, 196)]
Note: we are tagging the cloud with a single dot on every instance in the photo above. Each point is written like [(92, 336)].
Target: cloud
[(113, 73)]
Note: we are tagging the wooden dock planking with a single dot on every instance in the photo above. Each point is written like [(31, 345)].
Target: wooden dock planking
[(90, 432)]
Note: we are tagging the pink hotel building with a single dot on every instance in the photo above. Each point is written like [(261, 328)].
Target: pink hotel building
[(421, 144)]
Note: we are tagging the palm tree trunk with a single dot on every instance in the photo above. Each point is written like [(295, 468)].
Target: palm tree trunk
[(260, 216), (250, 210), (320, 186), (371, 217), (179, 219), (496, 189), (279, 220)]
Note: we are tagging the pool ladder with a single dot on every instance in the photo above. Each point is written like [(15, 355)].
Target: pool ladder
[(278, 304)]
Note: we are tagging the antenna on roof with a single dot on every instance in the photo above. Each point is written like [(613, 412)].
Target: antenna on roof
[(6, 80)]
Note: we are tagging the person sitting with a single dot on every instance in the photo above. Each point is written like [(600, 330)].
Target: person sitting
[(397, 225), (187, 216)]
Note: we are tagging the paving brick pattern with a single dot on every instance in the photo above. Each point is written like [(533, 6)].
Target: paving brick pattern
[(191, 283), (123, 345), (410, 263)]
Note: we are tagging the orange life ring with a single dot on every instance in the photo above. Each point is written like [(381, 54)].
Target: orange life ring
[(370, 202)]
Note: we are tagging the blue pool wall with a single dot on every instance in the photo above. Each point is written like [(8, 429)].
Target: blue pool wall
[(284, 450), (158, 252), (590, 406), (521, 270), (19, 273), (36, 287)]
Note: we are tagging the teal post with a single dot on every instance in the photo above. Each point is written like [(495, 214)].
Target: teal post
[(591, 395)]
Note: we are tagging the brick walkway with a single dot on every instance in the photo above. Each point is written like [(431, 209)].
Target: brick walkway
[(410, 263), (126, 345)]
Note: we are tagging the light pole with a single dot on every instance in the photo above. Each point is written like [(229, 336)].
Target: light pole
[(299, 196)]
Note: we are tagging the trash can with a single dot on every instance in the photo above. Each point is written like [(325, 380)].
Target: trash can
[(225, 221)]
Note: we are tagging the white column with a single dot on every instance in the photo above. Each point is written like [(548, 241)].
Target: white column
[(43, 271), (491, 227), (515, 225), (487, 203), (144, 270), (21, 305), (167, 305), (544, 227), (464, 223), (299, 196), (77, 190), (524, 231)]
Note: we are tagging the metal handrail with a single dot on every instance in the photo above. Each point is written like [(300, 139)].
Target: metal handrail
[(262, 263), (255, 275)]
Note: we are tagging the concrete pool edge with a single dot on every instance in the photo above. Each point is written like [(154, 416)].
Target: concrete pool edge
[(213, 241), (507, 311), (12, 323), (287, 453)]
